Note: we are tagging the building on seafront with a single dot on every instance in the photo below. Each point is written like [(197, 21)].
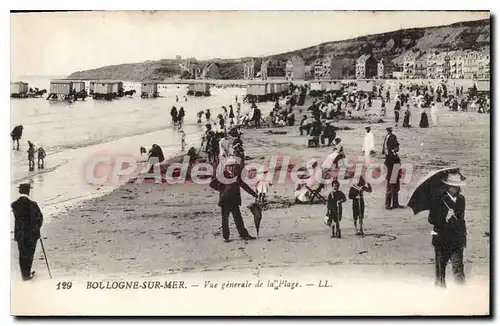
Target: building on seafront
[(328, 68), (385, 69), (484, 64), (273, 69), (251, 69), (190, 66), (415, 65), (295, 68), (210, 71), (366, 67)]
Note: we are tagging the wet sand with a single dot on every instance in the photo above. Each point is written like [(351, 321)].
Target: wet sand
[(154, 230)]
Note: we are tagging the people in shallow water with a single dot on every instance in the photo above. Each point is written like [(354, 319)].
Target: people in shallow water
[(156, 154)]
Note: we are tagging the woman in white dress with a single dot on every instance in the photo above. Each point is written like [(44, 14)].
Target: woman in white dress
[(434, 114)]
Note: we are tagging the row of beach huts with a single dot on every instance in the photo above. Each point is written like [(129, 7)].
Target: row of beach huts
[(257, 91), (74, 90)]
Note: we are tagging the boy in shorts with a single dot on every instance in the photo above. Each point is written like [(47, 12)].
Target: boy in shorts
[(334, 209), (358, 203)]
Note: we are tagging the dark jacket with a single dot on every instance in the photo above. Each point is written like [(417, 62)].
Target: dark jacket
[(28, 220), (397, 106), (230, 194), (17, 132), (334, 205), (156, 151), (454, 232), (390, 149), (358, 200)]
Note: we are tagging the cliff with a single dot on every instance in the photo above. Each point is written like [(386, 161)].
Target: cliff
[(392, 46)]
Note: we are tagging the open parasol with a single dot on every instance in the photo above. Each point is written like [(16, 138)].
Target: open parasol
[(428, 188), (256, 210)]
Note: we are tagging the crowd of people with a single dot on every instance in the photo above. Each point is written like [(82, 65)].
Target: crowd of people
[(222, 142)]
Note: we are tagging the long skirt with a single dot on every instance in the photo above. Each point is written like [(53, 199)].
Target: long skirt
[(424, 121)]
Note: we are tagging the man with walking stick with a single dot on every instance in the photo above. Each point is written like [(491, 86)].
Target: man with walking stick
[(28, 221)]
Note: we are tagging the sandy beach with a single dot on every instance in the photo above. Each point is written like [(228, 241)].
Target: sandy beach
[(154, 230)]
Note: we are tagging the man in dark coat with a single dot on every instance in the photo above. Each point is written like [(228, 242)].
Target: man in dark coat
[(449, 236), (28, 221), (156, 152), (230, 197), (390, 149), (16, 135), (257, 116), (328, 133)]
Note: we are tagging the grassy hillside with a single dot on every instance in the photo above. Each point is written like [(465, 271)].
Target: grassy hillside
[(392, 46)]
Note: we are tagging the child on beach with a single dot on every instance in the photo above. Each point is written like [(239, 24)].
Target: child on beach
[(183, 140), (383, 111), (199, 114), (31, 156), (262, 186), (334, 209), (41, 157), (358, 203)]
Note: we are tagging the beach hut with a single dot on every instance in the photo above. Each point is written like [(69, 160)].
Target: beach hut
[(106, 89), (78, 86), (18, 89), (63, 87), (149, 89), (274, 88), (315, 88), (331, 85), (60, 90), (483, 85), (284, 88), (199, 89), (117, 87), (366, 85), (258, 91)]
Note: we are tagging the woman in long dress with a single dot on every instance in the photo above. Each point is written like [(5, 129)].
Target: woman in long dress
[(406, 120), (434, 113), (424, 121)]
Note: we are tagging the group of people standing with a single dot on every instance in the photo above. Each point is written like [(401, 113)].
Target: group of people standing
[(177, 116), (16, 135)]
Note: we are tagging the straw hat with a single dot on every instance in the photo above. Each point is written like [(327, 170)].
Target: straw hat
[(454, 179)]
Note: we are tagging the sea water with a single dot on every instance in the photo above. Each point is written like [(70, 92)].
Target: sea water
[(74, 133)]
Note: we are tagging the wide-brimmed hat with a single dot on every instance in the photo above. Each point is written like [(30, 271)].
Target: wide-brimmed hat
[(454, 179), (388, 128), (368, 127)]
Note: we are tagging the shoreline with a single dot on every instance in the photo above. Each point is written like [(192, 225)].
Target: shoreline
[(158, 229)]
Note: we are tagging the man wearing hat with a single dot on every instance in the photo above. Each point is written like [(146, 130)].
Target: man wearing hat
[(449, 235), (230, 196), (28, 221), (390, 149)]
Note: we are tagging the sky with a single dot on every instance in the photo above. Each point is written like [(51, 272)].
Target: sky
[(61, 43)]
